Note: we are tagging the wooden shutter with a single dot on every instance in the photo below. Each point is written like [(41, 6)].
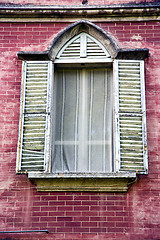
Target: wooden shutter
[(131, 140), (33, 143)]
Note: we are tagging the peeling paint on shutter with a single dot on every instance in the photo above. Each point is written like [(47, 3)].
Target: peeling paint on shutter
[(34, 120), (131, 141)]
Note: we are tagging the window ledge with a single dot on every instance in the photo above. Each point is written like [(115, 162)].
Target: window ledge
[(108, 182)]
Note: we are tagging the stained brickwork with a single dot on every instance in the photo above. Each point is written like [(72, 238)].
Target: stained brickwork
[(79, 215)]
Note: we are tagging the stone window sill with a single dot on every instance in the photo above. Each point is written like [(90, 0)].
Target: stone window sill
[(108, 182)]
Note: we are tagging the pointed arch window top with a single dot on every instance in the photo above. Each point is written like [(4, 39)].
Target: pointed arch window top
[(83, 48)]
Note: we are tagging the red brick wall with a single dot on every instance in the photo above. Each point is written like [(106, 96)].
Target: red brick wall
[(134, 215)]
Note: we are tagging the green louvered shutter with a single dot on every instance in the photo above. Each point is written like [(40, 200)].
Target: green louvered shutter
[(33, 143), (131, 140)]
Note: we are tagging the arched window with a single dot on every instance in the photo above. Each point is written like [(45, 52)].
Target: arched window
[(82, 135), (82, 112)]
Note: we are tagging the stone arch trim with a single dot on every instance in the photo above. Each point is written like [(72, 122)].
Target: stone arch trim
[(75, 29)]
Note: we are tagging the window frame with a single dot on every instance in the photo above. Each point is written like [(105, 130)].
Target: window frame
[(108, 77)]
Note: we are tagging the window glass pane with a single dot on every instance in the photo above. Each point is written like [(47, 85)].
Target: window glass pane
[(82, 121), (65, 101), (100, 117)]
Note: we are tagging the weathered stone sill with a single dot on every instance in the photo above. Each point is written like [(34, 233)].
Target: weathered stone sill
[(110, 182)]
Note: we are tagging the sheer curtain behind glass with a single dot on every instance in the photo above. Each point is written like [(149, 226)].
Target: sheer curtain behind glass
[(82, 139)]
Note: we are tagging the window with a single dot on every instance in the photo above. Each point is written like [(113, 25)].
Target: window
[(86, 119), (82, 120)]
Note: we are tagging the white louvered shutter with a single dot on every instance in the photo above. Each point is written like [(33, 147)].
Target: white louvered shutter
[(33, 144), (131, 140)]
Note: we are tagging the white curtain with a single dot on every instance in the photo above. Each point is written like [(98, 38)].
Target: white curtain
[(82, 128)]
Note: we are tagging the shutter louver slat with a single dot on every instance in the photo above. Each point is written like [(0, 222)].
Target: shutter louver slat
[(131, 116), (35, 116)]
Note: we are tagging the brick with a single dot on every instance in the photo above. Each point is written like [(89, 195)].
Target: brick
[(76, 229), (19, 220), (73, 213), (56, 203), (82, 219), (48, 219), (38, 203), (114, 198), (110, 218), (98, 219), (98, 230), (48, 209), (64, 230), (107, 224), (39, 214), (73, 203), (81, 198), (122, 214), (81, 208), (35, 209), (72, 224), (53, 224), (89, 224), (122, 224), (57, 213), (64, 219), (65, 198), (115, 208), (89, 203), (115, 229), (106, 213), (98, 208)]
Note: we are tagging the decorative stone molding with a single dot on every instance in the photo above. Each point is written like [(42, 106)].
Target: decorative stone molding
[(122, 12)]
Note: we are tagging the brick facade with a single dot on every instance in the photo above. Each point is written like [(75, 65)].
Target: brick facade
[(76, 215)]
